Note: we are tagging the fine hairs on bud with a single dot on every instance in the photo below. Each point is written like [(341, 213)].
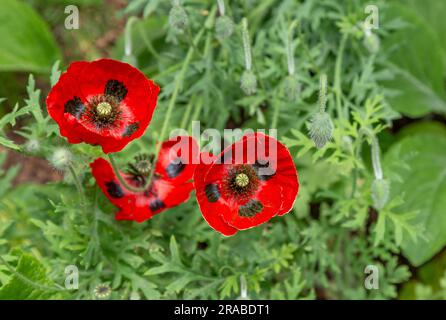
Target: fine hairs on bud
[(32, 145), (321, 126), (224, 26), (248, 81), (177, 16), (61, 158)]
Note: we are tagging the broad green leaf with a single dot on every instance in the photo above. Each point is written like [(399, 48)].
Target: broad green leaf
[(30, 282), (26, 42), (432, 11), (422, 182), (415, 56)]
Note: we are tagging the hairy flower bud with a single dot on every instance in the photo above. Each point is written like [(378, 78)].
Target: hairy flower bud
[(224, 27), (291, 88), (321, 129), (380, 193), (248, 82), (32, 145), (61, 158), (178, 17)]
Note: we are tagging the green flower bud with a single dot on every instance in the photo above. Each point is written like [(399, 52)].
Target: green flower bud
[(371, 42), (291, 88), (224, 27), (380, 193), (321, 129), (32, 145), (248, 82), (178, 17), (61, 158)]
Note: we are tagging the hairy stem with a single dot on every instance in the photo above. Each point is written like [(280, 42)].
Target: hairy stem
[(337, 76)]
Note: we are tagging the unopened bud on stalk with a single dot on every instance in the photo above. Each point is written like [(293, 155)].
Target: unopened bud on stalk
[(32, 145), (224, 27), (371, 42), (380, 187), (291, 87), (248, 82), (177, 16), (61, 158), (380, 193), (321, 126)]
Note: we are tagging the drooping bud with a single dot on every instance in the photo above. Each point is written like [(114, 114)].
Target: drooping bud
[(321, 129), (380, 193), (61, 158), (248, 82), (178, 17), (32, 145), (321, 126), (224, 27), (371, 42), (291, 88)]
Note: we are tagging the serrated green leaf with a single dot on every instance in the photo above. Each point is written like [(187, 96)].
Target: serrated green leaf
[(29, 283)]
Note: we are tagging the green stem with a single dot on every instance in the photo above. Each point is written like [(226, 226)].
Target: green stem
[(78, 184), (337, 78), (277, 105), (186, 114), (173, 99)]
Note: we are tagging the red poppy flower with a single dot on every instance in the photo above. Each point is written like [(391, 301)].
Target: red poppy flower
[(250, 182), (104, 102), (171, 182)]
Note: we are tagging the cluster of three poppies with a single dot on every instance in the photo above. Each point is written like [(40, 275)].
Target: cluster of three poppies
[(110, 103)]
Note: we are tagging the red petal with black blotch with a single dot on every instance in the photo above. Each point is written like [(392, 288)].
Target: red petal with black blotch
[(163, 193), (275, 192), (211, 211), (177, 159), (82, 81), (286, 173)]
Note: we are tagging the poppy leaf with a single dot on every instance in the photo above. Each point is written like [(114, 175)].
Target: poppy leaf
[(423, 185)]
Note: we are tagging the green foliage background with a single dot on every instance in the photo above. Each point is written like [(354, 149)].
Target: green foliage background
[(387, 88)]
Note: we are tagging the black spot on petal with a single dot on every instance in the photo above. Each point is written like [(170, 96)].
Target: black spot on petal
[(211, 192), (130, 129), (116, 89), (74, 107), (156, 205), (264, 172), (114, 189), (175, 168), (250, 209)]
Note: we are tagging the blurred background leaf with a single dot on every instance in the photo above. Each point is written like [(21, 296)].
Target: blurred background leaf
[(26, 42)]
